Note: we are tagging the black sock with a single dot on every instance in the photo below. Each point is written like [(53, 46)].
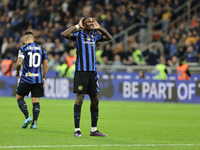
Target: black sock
[(36, 111), (94, 115), (23, 107), (77, 115)]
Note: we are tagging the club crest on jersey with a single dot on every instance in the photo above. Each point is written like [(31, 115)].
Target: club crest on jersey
[(89, 38), (80, 87)]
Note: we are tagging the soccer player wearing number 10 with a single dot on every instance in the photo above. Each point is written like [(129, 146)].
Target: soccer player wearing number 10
[(32, 79)]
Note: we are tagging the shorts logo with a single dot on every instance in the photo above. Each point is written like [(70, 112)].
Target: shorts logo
[(80, 87)]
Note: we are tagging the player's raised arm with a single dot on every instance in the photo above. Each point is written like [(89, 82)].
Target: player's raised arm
[(68, 32), (106, 35)]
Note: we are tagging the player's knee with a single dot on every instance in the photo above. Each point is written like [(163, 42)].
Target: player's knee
[(20, 99), (95, 102), (79, 99)]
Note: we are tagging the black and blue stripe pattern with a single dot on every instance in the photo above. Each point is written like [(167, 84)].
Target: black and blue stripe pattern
[(97, 83), (34, 55), (85, 45), (77, 115), (23, 107), (94, 115), (36, 111)]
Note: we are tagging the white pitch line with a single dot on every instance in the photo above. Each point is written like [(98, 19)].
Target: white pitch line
[(106, 145)]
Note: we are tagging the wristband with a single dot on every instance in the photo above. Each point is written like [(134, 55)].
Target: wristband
[(77, 26)]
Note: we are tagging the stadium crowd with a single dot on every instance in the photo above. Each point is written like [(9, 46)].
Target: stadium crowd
[(49, 18)]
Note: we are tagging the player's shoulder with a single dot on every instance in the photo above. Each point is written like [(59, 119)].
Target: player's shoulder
[(95, 33), (24, 46), (77, 32)]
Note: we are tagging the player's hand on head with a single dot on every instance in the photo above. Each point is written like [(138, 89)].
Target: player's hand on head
[(81, 23), (96, 24)]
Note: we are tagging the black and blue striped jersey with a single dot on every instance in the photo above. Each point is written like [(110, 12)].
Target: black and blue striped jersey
[(33, 55), (85, 48)]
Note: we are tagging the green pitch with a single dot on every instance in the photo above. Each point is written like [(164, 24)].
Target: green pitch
[(129, 125)]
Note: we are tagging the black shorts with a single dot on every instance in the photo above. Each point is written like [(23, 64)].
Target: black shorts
[(36, 90), (86, 82)]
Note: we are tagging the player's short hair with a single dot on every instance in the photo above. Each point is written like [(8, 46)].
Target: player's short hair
[(86, 18), (28, 35), (28, 32)]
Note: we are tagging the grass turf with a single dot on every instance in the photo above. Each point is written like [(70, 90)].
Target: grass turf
[(129, 125)]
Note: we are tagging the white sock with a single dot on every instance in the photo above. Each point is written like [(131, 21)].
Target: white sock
[(93, 129), (77, 129)]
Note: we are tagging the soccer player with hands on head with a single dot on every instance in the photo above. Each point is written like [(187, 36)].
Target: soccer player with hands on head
[(85, 77)]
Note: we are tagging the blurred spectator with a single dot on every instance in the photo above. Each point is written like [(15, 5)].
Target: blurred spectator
[(98, 53), (182, 40), (166, 18), (131, 61), (87, 8), (173, 47), (161, 69), (141, 74), (71, 71), (59, 47), (7, 65), (65, 6), (154, 55), (183, 70), (182, 30), (191, 55), (71, 59), (57, 60), (193, 22), (49, 44), (51, 61), (157, 15), (108, 52), (150, 9), (137, 55), (173, 62), (142, 16), (61, 69), (166, 44), (190, 38), (197, 44), (181, 51), (116, 63), (4, 47)]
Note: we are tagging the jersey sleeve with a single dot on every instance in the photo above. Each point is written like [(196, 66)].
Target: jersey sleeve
[(44, 54), (98, 36), (75, 34), (21, 53)]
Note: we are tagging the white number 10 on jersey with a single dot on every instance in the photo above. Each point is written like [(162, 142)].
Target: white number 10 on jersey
[(32, 59)]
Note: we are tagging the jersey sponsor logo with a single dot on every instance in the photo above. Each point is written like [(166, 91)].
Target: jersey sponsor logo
[(29, 74), (87, 42), (89, 38), (80, 87)]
